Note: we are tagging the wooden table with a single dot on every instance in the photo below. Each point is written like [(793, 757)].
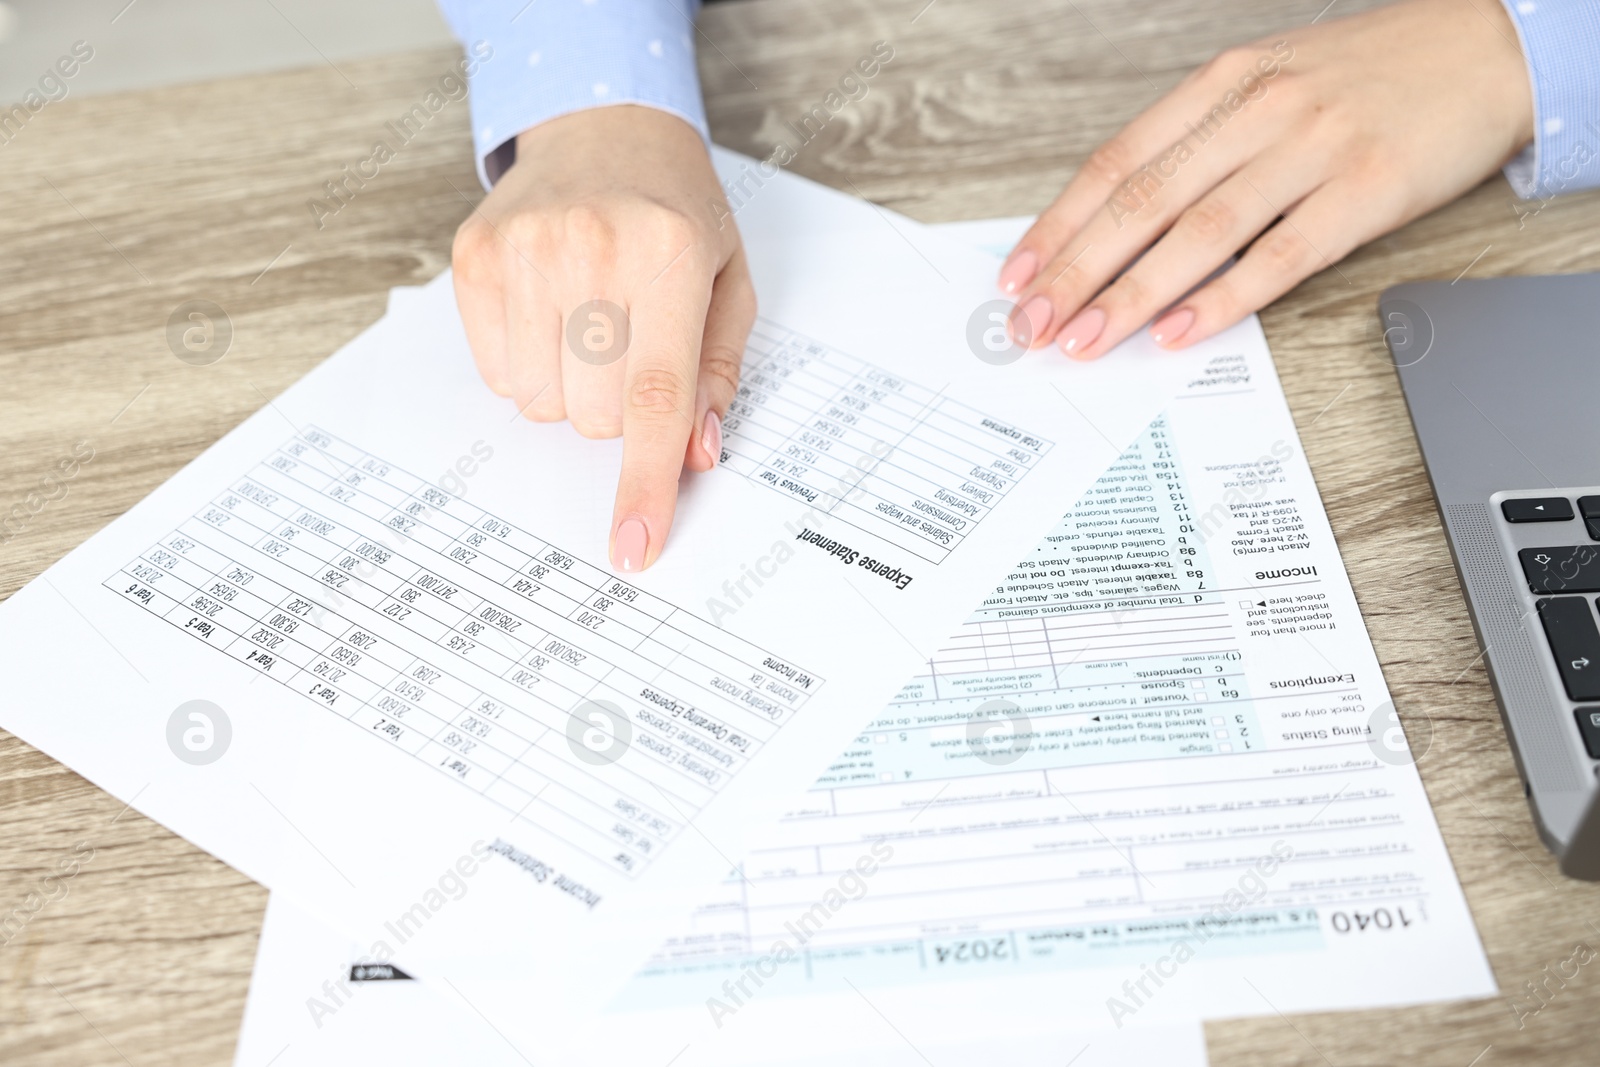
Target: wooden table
[(117, 209)]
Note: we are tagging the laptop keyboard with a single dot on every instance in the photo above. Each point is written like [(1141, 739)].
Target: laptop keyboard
[(1560, 574), (1537, 509), (1575, 640), (1589, 727), (1569, 569)]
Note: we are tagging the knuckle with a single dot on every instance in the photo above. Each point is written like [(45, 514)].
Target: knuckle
[(1291, 92), (722, 363), (588, 226), (672, 229), (472, 250), (1129, 291), (1209, 221), (1111, 162), (1337, 126), (657, 391), (1066, 280), (545, 408), (1220, 300), (537, 400), (671, 240), (526, 231), (1282, 251), (596, 427), (1230, 62)]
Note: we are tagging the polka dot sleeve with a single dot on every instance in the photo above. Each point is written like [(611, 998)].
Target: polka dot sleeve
[(537, 59)]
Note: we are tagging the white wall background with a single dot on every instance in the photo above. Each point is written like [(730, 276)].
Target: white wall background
[(162, 42)]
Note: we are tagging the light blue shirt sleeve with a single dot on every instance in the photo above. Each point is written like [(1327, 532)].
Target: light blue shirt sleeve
[(1561, 43), (552, 57)]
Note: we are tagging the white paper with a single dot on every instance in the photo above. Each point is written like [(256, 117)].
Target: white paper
[(1366, 913), (1128, 869), (467, 549), (312, 1005), (1241, 710)]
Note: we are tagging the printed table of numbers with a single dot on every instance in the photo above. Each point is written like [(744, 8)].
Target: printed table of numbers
[(901, 461), (596, 711)]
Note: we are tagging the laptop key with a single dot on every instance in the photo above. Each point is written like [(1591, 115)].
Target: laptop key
[(1569, 624), (1537, 509), (1589, 508), (1589, 727), (1562, 570)]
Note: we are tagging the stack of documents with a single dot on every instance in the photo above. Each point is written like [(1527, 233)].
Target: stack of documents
[(1152, 778)]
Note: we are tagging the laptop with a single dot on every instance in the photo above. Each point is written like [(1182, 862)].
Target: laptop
[(1502, 378)]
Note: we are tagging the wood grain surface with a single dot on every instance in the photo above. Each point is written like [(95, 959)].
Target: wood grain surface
[(115, 210)]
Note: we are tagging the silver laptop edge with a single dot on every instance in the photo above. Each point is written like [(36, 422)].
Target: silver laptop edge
[(1502, 380)]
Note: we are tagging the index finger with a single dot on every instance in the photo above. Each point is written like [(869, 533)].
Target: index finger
[(658, 409)]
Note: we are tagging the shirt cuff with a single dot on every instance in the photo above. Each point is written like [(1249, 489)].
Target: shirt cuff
[(1561, 44), (555, 57)]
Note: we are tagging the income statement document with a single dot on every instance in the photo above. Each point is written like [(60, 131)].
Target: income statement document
[(1154, 777), (390, 596)]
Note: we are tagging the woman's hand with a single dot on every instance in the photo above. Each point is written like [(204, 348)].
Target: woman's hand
[(1346, 130), (602, 281)]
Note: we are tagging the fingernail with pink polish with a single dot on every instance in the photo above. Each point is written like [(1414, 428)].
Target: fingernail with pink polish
[(711, 437), (1019, 271), (632, 540), (1171, 327), (1082, 331), (1032, 321)]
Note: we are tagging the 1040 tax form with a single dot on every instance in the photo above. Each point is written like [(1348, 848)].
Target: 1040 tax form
[(368, 646), (1155, 777), (314, 1003)]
